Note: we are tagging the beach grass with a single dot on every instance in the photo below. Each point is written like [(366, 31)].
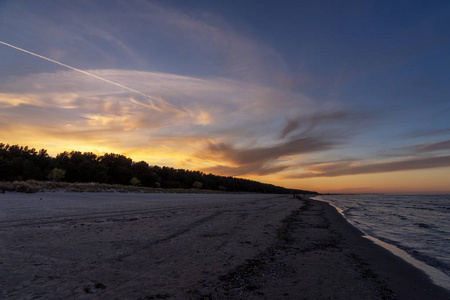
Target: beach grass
[(34, 186)]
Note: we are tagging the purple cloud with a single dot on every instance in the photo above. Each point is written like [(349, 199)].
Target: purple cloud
[(432, 147), (348, 168)]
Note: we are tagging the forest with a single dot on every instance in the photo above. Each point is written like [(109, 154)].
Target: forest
[(21, 163)]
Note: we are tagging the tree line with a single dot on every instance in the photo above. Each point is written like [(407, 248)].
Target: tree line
[(21, 163)]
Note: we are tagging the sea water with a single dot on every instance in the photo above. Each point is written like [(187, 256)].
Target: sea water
[(417, 224)]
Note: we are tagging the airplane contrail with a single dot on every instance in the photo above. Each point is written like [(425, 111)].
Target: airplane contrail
[(92, 75)]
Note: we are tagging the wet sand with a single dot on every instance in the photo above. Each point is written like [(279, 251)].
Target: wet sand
[(179, 246)]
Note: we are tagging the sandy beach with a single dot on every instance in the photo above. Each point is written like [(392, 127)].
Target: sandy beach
[(192, 246)]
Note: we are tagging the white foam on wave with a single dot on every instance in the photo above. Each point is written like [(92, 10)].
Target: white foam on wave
[(438, 277)]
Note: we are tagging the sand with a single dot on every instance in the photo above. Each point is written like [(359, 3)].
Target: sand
[(192, 246)]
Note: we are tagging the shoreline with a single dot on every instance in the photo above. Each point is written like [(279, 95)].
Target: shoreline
[(437, 276), (401, 275), (150, 246), (319, 255)]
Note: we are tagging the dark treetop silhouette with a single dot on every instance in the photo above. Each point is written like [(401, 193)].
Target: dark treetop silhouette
[(24, 163)]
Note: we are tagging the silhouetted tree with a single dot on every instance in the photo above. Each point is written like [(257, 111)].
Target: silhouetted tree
[(118, 168), (22, 163)]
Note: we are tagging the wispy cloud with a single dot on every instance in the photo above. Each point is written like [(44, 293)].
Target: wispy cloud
[(187, 42), (263, 160), (427, 133), (71, 102), (232, 125), (87, 73), (432, 147), (250, 155), (290, 127), (354, 168), (252, 169), (244, 58)]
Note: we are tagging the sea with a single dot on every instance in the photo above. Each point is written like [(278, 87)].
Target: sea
[(414, 227)]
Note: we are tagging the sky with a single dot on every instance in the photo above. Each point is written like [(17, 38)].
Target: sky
[(329, 96)]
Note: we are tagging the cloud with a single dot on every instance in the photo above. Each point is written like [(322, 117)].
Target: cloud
[(164, 38), (350, 168), (238, 121), (254, 169), (426, 133), (247, 155), (75, 105), (204, 102), (432, 147), (329, 116), (262, 160), (87, 73), (244, 57), (224, 125), (290, 126)]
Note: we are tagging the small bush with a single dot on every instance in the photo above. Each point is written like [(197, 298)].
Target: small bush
[(33, 182), (19, 186), (56, 174), (134, 181), (24, 187), (197, 185), (7, 186)]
